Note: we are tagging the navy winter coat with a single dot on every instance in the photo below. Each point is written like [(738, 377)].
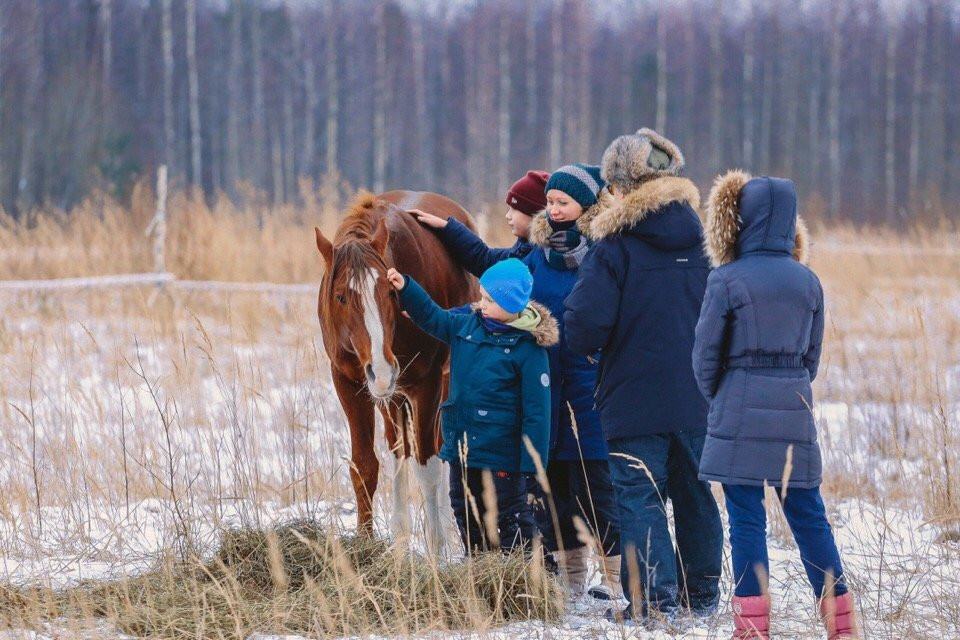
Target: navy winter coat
[(572, 376), (759, 337), (637, 300), (499, 385)]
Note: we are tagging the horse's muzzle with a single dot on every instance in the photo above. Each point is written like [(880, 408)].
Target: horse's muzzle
[(383, 386)]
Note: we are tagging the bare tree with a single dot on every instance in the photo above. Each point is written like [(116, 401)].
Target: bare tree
[(661, 119), (503, 104), (259, 104), (232, 166), (31, 119), (749, 90), (425, 150), (556, 88), (916, 112), (166, 37), (833, 109), (196, 168), (332, 78), (890, 118), (380, 103), (716, 85), (106, 56)]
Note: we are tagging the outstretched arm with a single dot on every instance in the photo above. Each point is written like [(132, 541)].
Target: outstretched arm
[(464, 245), (421, 309)]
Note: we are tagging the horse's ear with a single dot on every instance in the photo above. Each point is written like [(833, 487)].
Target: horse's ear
[(380, 237), (326, 249)]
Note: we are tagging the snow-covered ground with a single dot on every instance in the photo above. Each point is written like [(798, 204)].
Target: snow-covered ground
[(116, 419)]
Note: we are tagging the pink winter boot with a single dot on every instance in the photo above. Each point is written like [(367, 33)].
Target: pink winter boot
[(751, 618), (837, 615)]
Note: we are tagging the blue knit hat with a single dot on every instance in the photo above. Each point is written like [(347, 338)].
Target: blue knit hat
[(580, 181), (509, 284)]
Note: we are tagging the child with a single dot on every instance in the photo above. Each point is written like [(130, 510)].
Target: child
[(499, 395), (578, 473), (756, 352), (525, 199)]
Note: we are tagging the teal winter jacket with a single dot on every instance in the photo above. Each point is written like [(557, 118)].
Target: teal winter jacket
[(499, 385)]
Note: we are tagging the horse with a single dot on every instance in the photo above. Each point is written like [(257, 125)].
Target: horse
[(378, 358)]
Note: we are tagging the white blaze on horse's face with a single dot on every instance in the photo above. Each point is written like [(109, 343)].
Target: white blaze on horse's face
[(381, 374)]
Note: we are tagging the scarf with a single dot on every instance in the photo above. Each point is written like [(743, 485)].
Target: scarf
[(567, 247), (528, 320)]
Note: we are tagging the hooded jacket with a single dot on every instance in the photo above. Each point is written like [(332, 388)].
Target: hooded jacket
[(499, 384), (759, 337), (636, 301)]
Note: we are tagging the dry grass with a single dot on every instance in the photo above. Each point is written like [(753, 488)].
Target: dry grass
[(135, 434)]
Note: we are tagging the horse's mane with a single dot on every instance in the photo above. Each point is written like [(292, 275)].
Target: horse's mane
[(353, 252)]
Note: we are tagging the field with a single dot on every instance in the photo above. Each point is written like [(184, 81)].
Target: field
[(146, 436)]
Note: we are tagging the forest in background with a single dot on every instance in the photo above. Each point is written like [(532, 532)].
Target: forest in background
[(857, 100)]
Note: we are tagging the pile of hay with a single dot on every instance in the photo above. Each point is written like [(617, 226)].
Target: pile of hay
[(298, 578)]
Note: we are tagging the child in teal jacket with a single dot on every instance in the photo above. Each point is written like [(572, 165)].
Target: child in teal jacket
[(499, 395)]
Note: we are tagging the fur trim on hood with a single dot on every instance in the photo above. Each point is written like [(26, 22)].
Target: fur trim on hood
[(613, 217), (547, 333), (540, 230), (723, 224)]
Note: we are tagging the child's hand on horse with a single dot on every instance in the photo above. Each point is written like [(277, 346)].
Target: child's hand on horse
[(429, 219), (395, 278)]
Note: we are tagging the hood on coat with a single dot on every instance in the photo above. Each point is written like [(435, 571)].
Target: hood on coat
[(639, 213), (747, 214), (546, 333)]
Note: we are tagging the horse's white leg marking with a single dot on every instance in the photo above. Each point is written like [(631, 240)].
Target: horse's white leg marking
[(382, 371), (401, 498), (430, 478)]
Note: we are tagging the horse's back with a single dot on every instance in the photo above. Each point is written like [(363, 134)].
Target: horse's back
[(431, 203)]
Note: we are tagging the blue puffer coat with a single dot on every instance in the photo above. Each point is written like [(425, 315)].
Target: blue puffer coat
[(572, 376), (498, 385), (759, 337), (457, 234), (638, 299)]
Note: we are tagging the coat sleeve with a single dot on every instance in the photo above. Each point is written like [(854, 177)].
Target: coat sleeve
[(811, 359), (535, 400), (593, 306), (712, 336), (427, 314), (468, 249)]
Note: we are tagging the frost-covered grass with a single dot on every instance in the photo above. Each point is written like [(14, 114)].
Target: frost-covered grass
[(135, 436)]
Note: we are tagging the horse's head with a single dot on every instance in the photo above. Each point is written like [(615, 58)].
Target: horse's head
[(359, 306)]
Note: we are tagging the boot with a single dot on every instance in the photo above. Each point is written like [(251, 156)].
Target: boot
[(573, 568), (609, 587), (837, 615), (751, 618)]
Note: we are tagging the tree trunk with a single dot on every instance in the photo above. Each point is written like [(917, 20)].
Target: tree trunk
[(790, 80), (196, 168), (766, 112), (232, 168), (531, 70), (716, 86), (889, 140), (289, 155), (259, 103), (31, 118), (833, 113), (106, 56), (556, 89), (424, 161), (916, 113), (380, 103), (748, 92), (504, 103), (813, 125), (661, 119), (332, 80), (312, 100), (169, 134)]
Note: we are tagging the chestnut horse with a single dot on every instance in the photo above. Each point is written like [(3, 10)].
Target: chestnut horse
[(378, 358)]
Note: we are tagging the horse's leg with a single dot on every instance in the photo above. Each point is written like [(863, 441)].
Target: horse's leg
[(394, 421), (429, 469), (365, 467)]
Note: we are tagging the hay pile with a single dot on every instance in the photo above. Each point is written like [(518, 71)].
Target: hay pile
[(298, 578)]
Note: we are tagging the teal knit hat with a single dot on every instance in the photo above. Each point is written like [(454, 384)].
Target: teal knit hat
[(509, 283), (580, 181)]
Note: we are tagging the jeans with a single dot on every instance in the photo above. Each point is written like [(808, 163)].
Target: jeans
[(581, 489), (807, 518), (655, 575), (514, 517)]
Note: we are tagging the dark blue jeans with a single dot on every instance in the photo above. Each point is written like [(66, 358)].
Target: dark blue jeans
[(581, 489), (807, 518), (666, 578), (515, 524)]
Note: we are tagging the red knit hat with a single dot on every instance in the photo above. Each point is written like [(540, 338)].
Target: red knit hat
[(527, 194)]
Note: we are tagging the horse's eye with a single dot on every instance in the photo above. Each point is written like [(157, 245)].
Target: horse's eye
[(342, 299)]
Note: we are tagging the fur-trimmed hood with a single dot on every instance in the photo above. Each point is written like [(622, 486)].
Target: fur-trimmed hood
[(547, 333), (638, 208), (747, 214), (540, 231)]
